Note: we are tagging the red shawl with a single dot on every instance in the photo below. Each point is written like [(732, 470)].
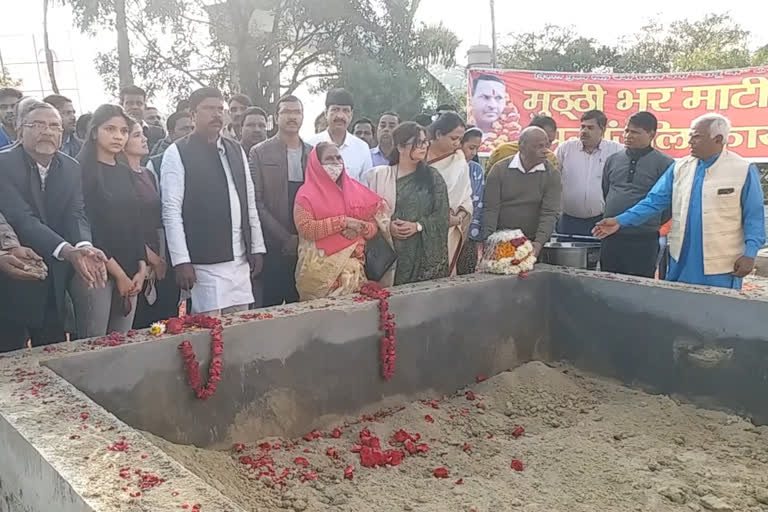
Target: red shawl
[(323, 198)]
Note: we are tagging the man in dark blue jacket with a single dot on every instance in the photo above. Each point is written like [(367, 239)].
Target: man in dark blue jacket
[(41, 197)]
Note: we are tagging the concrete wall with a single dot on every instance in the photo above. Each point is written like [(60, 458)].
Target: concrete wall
[(290, 374), (28, 483), (286, 375), (706, 345)]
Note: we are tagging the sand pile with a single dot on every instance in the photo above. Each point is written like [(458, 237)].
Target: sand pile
[(589, 444)]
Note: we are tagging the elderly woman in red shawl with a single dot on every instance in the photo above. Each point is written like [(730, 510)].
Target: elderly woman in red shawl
[(334, 215)]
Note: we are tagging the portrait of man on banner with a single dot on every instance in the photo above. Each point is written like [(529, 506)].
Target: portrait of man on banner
[(491, 109)]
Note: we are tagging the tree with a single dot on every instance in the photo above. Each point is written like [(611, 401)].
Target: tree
[(48, 52), (556, 48), (650, 50), (263, 48), (713, 42), (6, 80), (760, 58), (381, 85), (392, 70), (90, 14)]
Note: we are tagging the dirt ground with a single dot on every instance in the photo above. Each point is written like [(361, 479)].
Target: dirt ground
[(589, 444)]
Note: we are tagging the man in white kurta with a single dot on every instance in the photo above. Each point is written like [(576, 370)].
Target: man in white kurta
[(222, 287)]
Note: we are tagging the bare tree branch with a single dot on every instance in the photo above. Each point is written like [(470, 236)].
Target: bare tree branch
[(149, 45), (290, 88)]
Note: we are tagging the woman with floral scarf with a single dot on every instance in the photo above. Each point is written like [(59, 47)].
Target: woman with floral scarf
[(335, 216)]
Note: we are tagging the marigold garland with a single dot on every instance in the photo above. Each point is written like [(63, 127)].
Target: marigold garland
[(191, 365), (388, 353)]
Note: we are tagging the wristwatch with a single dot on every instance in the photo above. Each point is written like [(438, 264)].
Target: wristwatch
[(419, 227)]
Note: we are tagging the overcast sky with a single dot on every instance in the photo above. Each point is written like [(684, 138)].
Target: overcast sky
[(603, 20)]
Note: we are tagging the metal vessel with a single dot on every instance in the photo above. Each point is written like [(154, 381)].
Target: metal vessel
[(584, 255)]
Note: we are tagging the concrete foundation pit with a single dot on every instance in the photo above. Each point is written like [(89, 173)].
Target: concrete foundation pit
[(565, 391)]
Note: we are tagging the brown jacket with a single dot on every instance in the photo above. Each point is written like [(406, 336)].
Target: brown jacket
[(8, 239), (268, 162)]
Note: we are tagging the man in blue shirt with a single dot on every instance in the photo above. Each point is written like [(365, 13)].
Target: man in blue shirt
[(9, 97), (718, 221), (387, 124), (70, 144)]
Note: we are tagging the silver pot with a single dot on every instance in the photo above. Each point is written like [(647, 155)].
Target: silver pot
[(585, 255)]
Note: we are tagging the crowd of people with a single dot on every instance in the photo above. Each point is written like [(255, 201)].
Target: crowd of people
[(110, 221)]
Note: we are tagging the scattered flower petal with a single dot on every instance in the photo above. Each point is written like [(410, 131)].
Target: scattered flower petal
[(440, 472)]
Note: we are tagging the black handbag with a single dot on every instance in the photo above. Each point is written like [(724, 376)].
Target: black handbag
[(379, 257)]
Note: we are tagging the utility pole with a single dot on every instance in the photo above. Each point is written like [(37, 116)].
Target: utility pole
[(48, 53), (494, 63)]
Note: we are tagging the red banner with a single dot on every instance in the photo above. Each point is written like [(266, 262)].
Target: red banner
[(502, 102)]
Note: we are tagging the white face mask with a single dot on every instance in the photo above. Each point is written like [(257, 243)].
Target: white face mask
[(333, 170)]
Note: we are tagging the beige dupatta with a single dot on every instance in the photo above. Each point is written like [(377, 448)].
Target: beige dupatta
[(383, 181), (455, 172)]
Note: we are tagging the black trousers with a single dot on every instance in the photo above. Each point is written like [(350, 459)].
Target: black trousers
[(278, 280), (14, 335), (166, 304), (633, 255)]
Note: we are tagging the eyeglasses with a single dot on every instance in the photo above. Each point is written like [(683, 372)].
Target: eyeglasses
[(422, 143), (42, 125)]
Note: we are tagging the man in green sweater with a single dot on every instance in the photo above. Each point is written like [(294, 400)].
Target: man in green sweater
[(523, 191)]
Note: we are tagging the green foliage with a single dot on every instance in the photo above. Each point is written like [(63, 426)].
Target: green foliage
[(715, 41), (6, 80), (379, 86), (392, 69), (760, 58), (555, 48)]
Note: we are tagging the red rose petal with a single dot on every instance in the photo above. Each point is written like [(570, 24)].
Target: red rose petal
[(519, 431), (349, 472), (336, 433), (440, 472), (429, 419), (301, 461), (516, 465), (467, 448), (460, 481), (480, 378), (470, 395)]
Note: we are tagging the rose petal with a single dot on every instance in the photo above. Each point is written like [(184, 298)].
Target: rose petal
[(440, 472)]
